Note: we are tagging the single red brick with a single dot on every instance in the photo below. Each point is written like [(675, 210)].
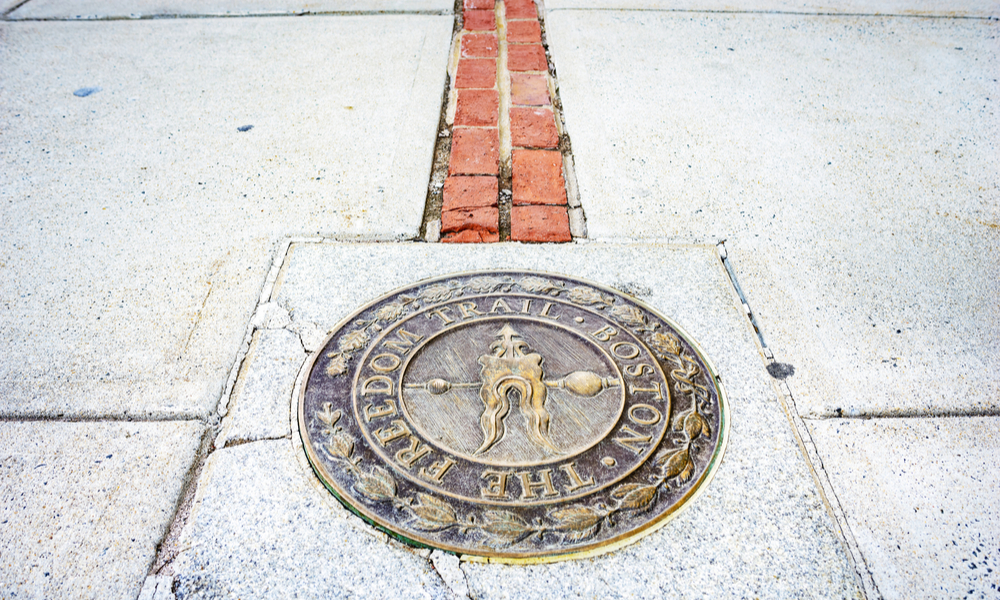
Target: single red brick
[(539, 224), (477, 4), (476, 73), (470, 192), (480, 20), (524, 32), (521, 9), (529, 89), (538, 178), (479, 219), (474, 151), (478, 108), (479, 45), (526, 57), (470, 236), (533, 128)]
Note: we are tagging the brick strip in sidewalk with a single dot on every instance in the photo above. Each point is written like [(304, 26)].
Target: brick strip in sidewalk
[(505, 152)]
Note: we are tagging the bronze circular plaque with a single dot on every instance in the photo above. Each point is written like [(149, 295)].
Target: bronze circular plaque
[(514, 416)]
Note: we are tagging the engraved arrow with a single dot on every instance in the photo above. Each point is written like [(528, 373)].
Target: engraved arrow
[(581, 383)]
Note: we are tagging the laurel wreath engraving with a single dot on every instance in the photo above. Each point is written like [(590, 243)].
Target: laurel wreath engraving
[(497, 527)]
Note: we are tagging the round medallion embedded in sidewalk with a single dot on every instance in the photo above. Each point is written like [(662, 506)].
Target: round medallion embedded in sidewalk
[(512, 415)]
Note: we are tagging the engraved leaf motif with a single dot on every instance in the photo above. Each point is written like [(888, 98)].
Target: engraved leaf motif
[(438, 292), (352, 341), (433, 514), (577, 517), (539, 285), (337, 364), (630, 315), (665, 344), (687, 472), (694, 425), (482, 285), (674, 464), (340, 446), (587, 296), (580, 534), (635, 496), (328, 417), (504, 525), (390, 312), (377, 485)]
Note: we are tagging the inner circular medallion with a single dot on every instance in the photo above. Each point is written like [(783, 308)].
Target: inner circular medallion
[(512, 392)]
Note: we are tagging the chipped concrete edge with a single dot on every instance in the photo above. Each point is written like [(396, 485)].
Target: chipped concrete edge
[(805, 442)]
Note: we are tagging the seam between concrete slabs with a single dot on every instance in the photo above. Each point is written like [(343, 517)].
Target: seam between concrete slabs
[(803, 438), (775, 12), (169, 16)]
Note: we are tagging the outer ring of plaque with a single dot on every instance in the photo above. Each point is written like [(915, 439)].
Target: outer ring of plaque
[(297, 418)]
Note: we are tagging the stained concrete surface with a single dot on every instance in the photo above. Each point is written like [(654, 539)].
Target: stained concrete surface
[(921, 496), (761, 521), (109, 9), (952, 8), (83, 505), (849, 163), (139, 220)]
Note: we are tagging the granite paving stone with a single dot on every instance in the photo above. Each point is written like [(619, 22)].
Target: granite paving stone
[(107, 9), (83, 505), (139, 220), (259, 407), (263, 527), (761, 522), (921, 499), (850, 163)]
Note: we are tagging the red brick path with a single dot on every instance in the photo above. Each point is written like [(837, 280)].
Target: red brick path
[(500, 48)]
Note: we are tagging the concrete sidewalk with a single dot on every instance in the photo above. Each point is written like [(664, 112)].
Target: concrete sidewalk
[(193, 194)]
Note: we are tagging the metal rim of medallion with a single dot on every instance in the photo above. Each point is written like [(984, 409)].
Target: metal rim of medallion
[(400, 498)]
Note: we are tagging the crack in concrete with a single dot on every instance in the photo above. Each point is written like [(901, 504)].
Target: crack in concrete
[(448, 568)]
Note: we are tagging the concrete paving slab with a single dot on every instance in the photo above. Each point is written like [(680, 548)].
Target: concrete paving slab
[(850, 163), (139, 219), (921, 498), (953, 8), (136, 9), (85, 504), (263, 527), (760, 530), (7, 5), (262, 391)]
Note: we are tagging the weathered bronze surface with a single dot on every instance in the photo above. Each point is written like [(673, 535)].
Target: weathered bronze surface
[(513, 416)]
